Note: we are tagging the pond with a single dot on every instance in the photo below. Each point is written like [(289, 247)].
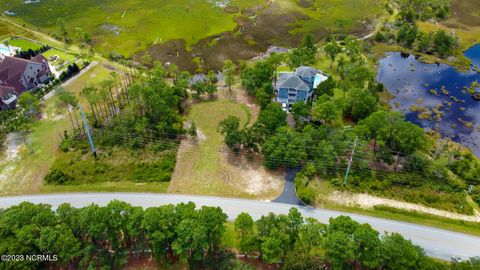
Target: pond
[(435, 96)]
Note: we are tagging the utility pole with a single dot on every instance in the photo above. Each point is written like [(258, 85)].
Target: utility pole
[(350, 161), (85, 124)]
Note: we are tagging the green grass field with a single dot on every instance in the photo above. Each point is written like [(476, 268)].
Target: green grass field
[(63, 55), (24, 44)]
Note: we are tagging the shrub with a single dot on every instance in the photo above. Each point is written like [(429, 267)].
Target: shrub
[(55, 176), (306, 194)]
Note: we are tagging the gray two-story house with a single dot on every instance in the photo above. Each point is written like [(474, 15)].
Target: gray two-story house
[(297, 86)]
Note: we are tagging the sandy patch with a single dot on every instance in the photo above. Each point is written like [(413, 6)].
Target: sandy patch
[(369, 201), (13, 145), (250, 176)]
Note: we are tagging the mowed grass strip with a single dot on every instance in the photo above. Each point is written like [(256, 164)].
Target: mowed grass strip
[(24, 44), (200, 168)]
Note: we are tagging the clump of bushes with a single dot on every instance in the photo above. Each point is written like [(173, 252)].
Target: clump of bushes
[(69, 72), (28, 54), (302, 180)]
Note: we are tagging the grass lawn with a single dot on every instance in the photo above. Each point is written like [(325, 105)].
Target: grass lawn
[(207, 167), (25, 44), (64, 57)]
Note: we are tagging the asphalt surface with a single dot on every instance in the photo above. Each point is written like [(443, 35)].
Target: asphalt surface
[(289, 196), (437, 243)]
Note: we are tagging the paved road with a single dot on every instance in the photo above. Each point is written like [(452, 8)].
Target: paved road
[(289, 196), (438, 243)]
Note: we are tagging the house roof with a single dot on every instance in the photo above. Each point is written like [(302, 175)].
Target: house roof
[(12, 69), (7, 95), (291, 80), (306, 72), (13, 65), (5, 90)]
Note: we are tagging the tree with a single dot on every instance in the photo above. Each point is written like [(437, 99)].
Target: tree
[(407, 34), (332, 49), (368, 246), (472, 264), (326, 110), (361, 103), (326, 87), (244, 227), (29, 108), (272, 117), (83, 37), (300, 112), (70, 102), (244, 224), (230, 129), (399, 253), (229, 73), (285, 148), (339, 249), (59, 241), (62, 31), (264, 95), (443, 43), (257, 76), (305, 53)]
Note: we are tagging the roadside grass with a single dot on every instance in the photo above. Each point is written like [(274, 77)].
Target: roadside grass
[(114, 164), (206, 166), (323, 189), (120, 186)]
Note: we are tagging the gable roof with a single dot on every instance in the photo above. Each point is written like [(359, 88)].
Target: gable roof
[(306, 72), (13, 65), (291, 80)]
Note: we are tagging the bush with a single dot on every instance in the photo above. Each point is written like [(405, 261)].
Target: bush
[(306, 194), (58, 177), (71, 70)]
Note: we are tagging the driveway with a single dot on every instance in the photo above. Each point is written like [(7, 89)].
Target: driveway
[(289, 196)]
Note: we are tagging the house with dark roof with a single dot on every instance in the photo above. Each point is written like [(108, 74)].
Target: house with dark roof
[(22, 75), (292, 87)]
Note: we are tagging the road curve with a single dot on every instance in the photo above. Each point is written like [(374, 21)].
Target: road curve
[(437, 243)]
